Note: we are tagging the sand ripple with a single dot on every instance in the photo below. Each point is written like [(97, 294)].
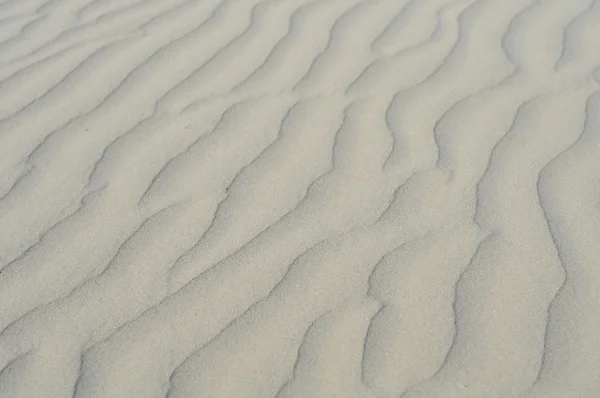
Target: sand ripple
[(294, 198)]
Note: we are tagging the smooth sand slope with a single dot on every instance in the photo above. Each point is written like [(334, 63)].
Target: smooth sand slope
[(294, 198)]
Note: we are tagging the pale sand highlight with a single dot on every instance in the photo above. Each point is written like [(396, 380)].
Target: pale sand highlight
[(294, 198)]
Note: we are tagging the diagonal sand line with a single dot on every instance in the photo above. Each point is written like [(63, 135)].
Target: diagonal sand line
[(299, 198)]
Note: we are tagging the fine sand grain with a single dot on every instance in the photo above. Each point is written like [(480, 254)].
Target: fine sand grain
[(300, 198)]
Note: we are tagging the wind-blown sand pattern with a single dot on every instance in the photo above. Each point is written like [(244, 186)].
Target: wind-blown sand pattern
[(295, 198)]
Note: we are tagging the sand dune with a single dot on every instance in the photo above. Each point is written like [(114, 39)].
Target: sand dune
[(299, 198)]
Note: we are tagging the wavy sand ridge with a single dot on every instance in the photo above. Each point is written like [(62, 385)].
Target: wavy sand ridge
[(294, 198)]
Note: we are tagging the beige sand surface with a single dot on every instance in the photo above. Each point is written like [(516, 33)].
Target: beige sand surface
[(300, 198)]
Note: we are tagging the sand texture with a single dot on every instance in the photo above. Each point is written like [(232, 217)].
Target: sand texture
[(300, 198)]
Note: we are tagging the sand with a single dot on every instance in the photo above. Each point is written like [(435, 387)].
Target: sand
[(295, 198)]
